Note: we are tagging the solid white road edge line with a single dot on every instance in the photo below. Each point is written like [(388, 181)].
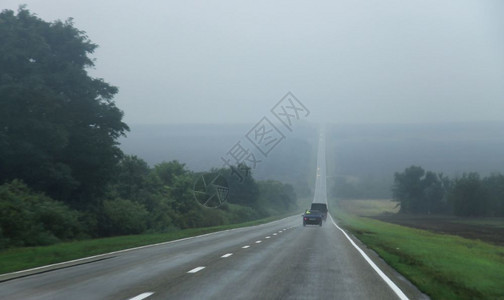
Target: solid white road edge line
[(195, 270), (142, 296), (387, 280)]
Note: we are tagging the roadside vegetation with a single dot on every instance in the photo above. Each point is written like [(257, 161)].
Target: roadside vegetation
[(63, 175), (442, 266), (446, 235)]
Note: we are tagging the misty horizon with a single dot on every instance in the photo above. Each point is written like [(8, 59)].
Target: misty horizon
[(386, 61), (361, 149)]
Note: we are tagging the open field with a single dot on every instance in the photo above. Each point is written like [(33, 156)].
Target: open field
[(489, 230), (442, 266), (368, 208)]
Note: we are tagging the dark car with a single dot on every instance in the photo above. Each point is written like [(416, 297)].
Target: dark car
[(321, 207), (312, 217)]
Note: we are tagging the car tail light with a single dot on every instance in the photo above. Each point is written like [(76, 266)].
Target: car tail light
[(305, 218)]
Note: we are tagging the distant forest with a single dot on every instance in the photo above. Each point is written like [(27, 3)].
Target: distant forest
[(424, 192), (361, 158)]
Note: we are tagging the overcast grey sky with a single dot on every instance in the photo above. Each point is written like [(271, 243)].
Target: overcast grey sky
[(347, 61)]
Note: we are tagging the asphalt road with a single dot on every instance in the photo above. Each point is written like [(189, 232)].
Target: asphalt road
[(278, 260)]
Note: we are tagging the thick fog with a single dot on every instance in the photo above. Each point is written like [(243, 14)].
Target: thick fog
[(347, 61)]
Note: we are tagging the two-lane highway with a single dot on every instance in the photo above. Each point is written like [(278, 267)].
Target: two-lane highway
[(278, 260)]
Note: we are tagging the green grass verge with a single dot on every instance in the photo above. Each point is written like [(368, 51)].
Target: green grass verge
[(442, 266), (17, 259)]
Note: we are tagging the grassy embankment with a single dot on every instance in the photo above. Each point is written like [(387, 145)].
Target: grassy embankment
[(442, 266), (16, 259)]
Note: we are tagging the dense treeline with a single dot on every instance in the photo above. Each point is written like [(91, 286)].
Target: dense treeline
[(62, 173), (425, 192), (139, 199)]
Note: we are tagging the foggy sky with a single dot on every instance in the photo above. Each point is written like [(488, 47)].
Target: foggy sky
[(347, 61)]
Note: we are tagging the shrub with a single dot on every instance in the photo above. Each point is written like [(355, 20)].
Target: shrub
[(121, 216), (28, 218)]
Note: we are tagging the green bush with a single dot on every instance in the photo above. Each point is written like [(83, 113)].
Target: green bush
[(30, 219), (213, 217), (276, 197), (241, 214), (123, 216)]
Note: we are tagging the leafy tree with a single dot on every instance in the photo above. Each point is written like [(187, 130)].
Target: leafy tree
[(420, 192), (188, 212), (277, 196), (131, 176), (58, 126), (435, 188), (137, 182), (468, 196), (407, 188), (494, 189), (167, 171), (243, 189)]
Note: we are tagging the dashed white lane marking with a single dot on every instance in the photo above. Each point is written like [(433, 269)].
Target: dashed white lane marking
[(142, 296), (385, 278), (137, 248), (195, 270)]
